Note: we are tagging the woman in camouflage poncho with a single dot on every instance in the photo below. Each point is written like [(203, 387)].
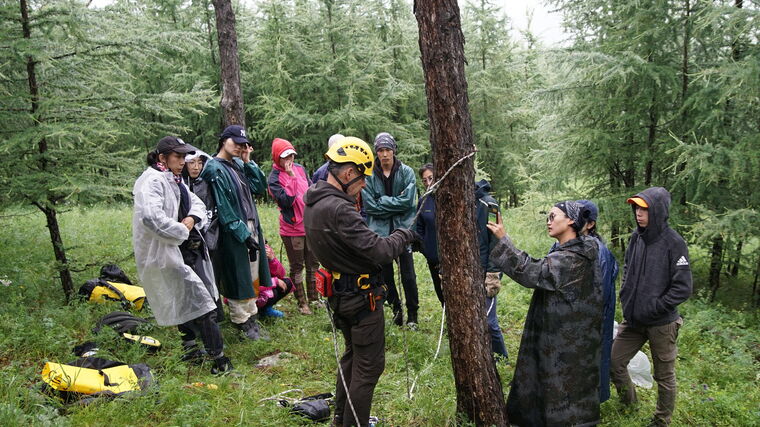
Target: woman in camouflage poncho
[(557, 374)]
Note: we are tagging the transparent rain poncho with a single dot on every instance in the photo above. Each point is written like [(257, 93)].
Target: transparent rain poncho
[(176, 294)]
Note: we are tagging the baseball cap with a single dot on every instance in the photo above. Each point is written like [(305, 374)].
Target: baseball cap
[(237, 133), (169, 144), (638, 201), (287, 152)]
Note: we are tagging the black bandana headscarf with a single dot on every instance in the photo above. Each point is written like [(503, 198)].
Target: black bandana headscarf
[(575, 211)]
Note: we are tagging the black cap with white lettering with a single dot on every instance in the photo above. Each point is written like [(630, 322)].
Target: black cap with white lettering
[(236, 132)]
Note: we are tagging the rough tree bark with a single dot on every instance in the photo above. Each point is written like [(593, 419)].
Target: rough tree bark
[(47, 206), (233, 112), (479, 393)]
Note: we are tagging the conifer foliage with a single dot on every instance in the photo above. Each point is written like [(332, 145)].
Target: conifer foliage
[(74, 106)]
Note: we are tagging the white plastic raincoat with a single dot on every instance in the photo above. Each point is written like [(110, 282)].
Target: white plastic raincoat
[(174, 291)]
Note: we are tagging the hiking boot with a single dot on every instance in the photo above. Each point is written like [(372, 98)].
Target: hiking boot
[(261, 333), (412, 318), (271, 312), (249, 328), (304, 309), (221, 365)]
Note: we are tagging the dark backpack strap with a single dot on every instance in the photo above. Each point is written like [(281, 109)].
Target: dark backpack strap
[(124, 301), (106, 381)]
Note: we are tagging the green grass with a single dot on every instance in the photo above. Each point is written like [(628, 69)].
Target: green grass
[(717, 371)]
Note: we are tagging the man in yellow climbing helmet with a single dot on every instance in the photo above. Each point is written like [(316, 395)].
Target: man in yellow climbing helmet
[(353, 254)]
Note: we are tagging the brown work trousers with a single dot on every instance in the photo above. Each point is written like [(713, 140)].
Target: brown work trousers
[(662, 343), (363, 360), (298, 256)]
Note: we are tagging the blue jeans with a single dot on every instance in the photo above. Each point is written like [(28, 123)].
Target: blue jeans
[(497, 339)]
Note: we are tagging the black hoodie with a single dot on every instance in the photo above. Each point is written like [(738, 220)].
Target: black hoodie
[(657, 274)]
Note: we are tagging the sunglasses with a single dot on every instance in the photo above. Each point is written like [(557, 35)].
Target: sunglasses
[(551, 217)]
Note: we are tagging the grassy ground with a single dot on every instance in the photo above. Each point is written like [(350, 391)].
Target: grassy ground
[(717, 372)]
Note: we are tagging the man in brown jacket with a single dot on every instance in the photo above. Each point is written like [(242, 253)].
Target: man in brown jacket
[(353, 253)]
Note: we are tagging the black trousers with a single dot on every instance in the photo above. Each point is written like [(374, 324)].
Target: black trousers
[(363, 360), (435, 274), (278, 294), (209, 332), (409, 281)]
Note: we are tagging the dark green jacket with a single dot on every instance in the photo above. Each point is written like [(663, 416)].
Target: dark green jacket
[(388, 213), (231, 263)]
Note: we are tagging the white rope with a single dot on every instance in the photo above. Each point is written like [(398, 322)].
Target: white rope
[(493, 300), (340, 368), (431, 190), (435, 356), (399, 283), (281, 396), (434, 186)]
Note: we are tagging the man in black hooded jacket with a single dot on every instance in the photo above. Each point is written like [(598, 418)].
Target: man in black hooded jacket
[(656, 279)]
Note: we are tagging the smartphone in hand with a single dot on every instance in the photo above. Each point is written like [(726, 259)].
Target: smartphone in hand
[(493, 212)]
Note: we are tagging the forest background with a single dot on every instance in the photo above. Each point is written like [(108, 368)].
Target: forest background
[(652, 92)]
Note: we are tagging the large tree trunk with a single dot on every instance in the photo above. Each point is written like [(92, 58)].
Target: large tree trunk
[(479, 393), (233, 112), (48, 206)]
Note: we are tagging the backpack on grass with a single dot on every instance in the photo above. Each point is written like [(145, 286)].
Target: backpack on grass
[(113, 285), (89, 377)]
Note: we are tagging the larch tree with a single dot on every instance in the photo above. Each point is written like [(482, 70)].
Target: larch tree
[(479, 392), (233, 108)]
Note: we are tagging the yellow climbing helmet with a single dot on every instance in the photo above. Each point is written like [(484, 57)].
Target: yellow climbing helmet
[(353, 150)]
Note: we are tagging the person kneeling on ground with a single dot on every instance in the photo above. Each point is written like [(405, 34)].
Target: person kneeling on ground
[(556, 379), (172, 261), (271, 295)]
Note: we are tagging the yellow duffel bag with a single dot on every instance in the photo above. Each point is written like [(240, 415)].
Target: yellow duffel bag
[(100, 290), (93, 376)]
